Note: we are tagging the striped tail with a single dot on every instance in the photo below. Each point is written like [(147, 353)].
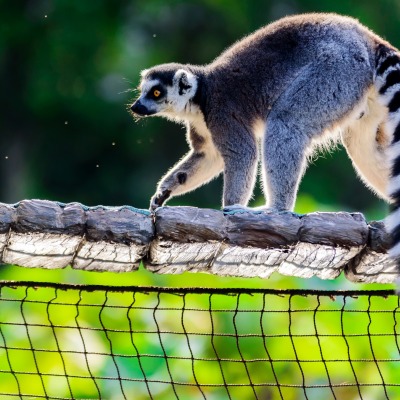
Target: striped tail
[(388, 84)]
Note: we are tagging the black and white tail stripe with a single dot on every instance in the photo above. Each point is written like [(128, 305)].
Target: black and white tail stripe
[(388, 85)]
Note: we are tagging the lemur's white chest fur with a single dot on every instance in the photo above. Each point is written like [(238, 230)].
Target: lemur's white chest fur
[(366, 138), (196, 119)]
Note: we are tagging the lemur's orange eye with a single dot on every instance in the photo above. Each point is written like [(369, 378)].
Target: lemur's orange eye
[(156, 93)]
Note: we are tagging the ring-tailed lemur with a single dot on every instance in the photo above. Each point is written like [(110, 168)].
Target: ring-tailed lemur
[(285, 88)]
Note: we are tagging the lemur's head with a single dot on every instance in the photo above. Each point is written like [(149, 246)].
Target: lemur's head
[(166, 89)]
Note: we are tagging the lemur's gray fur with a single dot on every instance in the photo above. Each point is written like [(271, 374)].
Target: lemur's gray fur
[(285, 88)]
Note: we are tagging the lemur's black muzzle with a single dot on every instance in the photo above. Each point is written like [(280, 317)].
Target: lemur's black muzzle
[(139, 109)]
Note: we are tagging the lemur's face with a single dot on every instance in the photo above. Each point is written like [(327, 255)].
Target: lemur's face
[(164, 90)]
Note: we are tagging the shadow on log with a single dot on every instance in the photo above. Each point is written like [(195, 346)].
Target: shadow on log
[(41, 233)]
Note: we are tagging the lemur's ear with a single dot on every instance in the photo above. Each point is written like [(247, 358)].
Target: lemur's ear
[(185, 81)]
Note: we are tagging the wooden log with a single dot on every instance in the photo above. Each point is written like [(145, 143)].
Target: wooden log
[(215, 257), (41, 233), (334, 229), (50, 217), (117, 239), (48, 234), (326, 262), (44, 234), (40, 250), (260, 229), (7, 217), (302, 260), (190, 224), (373, 264), (255, 244)]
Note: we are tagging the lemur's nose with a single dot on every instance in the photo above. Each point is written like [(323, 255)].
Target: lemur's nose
[(138, 108), (135, 106)]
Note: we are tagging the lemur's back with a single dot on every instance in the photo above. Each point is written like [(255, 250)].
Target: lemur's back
[(303, 36), (266, 61)]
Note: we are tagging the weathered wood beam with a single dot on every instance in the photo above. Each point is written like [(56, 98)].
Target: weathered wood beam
[(255, 244), (41, 233), (372, 264)]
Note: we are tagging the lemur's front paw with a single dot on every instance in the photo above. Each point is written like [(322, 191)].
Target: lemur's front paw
[(159, 199)]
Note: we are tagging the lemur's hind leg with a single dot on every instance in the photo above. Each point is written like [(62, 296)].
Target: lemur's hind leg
[(284, 155), (320, 96)]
